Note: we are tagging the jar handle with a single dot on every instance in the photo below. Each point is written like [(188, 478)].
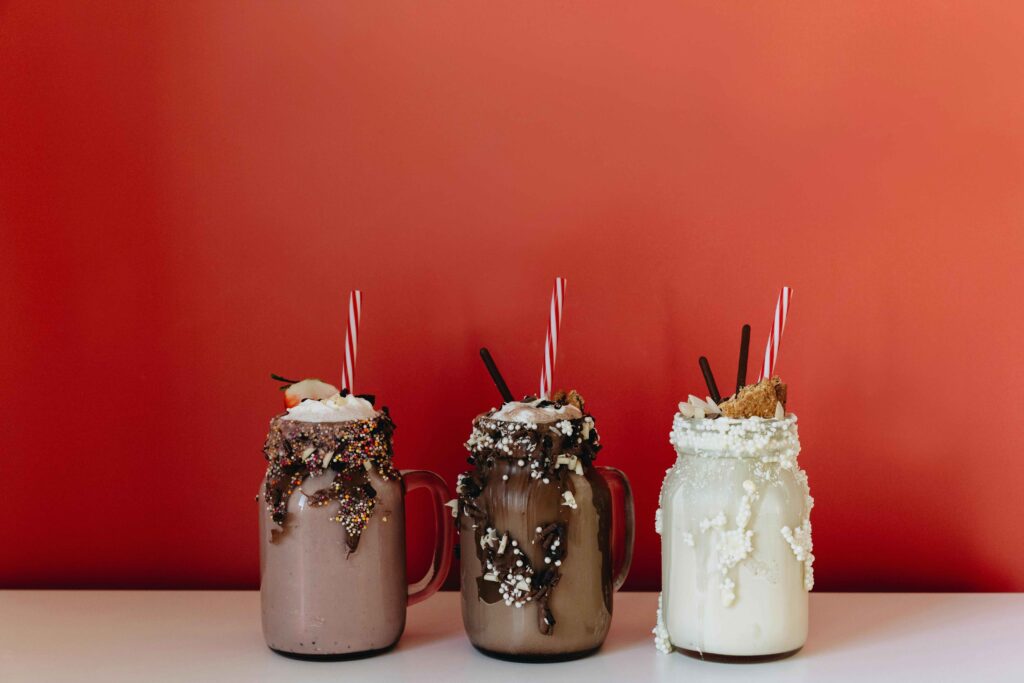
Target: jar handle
[(616, 480), (443, 528)]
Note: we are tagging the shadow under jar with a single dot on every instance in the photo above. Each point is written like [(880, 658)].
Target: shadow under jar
[(332, 539), (536, 529)]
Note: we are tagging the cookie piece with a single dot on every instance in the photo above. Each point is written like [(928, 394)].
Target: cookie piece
[(572, 398), (756, 400)]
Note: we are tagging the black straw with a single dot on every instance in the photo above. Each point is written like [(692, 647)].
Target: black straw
[(499, 381), (709, 379), (741, 378)]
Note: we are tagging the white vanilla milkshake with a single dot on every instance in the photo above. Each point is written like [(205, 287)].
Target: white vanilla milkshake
[(736, 536)]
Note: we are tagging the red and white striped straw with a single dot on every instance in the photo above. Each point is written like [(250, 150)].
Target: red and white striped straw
[(771, 351), (551, 341), (355, 310)]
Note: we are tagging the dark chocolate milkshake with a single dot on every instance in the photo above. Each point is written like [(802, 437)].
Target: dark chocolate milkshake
[(535, 520), (332, 531)]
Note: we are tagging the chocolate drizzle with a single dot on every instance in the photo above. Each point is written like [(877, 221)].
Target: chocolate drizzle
[(298, 450), (513, 463)]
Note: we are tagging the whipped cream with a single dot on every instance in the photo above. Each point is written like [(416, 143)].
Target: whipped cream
[(337, 408), (531, 413)]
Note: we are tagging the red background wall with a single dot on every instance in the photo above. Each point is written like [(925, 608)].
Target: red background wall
[(187, 191)]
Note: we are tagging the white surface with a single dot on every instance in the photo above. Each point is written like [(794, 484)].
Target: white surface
[(54, 636)]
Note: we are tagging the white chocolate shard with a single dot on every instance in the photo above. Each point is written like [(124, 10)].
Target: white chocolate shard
[(570, 461)]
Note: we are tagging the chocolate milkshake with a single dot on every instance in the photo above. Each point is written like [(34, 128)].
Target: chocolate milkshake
[(332, 531), (535, 520)]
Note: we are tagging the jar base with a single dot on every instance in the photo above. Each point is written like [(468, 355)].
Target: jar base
[(340, 657), (737, 659), (537, 658)]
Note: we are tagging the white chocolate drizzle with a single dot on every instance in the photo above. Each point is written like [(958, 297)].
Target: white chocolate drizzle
[(799, 539), (661, 639), (733, 545)]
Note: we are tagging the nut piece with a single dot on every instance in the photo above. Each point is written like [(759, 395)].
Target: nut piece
[(756, 400)]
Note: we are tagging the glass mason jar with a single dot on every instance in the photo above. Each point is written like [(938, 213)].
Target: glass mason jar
[(536, 529), (736, 540), (332, 539)]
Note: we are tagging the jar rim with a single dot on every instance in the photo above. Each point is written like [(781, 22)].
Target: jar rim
[(748, 438)]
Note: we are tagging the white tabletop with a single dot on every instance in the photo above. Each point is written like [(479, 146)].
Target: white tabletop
[(54, 636)]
